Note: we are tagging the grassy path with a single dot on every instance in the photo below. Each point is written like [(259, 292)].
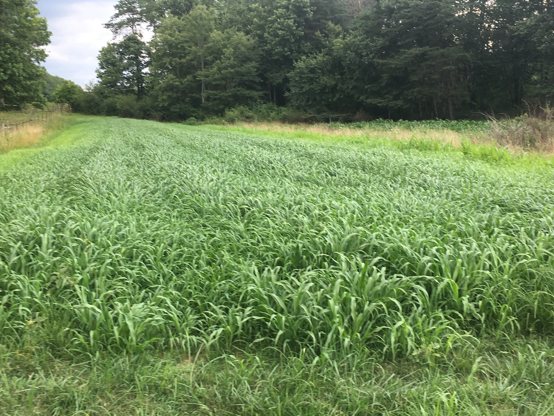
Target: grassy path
[(148, 268)]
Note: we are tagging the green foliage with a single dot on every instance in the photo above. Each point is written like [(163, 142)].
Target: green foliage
[(122, 67), (191, 121), (131, 16), (460, 126), (332, 59), (232, 79), (128, 106), (511, 376), (234, 247), (259, 112), (22, 37), (489, 153), (317, 81), (426, 69), (51, 83), (279, 28), (239, 113), (68, 93), (210, 70)]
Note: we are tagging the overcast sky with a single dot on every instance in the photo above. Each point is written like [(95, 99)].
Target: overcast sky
[(77, 36)]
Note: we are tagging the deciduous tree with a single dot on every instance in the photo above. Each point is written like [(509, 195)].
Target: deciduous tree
[(123, 66), (68, 93), (23, 35)]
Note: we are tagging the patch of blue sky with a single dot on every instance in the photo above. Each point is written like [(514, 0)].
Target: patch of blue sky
[(78, 35)]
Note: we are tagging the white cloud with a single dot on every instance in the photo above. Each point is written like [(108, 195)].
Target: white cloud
[(77, 37)]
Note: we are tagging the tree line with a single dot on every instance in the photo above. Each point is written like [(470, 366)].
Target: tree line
[(348, 59)]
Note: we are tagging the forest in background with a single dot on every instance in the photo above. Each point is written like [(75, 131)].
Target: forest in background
[(326, 59), (296, 60)]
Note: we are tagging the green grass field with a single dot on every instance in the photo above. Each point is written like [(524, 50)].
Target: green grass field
[(160, 269)]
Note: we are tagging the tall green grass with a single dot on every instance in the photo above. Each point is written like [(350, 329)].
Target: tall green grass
[(251, 257), (460, 126)]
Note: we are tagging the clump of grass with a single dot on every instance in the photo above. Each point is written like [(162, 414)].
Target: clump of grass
[(487, 152), (25, 136), (532, 131)]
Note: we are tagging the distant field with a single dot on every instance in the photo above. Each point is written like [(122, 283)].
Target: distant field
[(160, 269)]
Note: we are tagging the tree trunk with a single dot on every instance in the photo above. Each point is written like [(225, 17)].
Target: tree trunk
[(203, 82), (450, 108)]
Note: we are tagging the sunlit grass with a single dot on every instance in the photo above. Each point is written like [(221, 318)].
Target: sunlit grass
[(437, 134), (353, 131), (37, 126), (25, 136), (151, 268)]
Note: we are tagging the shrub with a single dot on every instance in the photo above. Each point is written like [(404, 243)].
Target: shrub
[(532, 131), (128, 106), (109, 107), (239, 113), (266, 112), (191, 121)]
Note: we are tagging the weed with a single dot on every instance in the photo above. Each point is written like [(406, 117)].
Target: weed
[(532, 131)]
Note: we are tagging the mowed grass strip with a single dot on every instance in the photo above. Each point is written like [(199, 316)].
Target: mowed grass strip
[(150, 240)]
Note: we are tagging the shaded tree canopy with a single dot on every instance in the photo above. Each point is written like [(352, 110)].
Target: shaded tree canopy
[(122, 66), (408, 59), (51, 83), (68, 93), (23, 34)]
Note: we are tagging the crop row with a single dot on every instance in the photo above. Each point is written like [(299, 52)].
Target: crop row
[(150, 236)]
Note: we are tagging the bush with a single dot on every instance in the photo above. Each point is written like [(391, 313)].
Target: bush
[(239, 113), (128, 107), (191, 121), (91, 103), (532, 131), (265, 112), (109, 107)]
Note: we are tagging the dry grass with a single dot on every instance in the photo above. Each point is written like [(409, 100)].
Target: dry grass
[(526, 134), (29, 113), (400, 134), (531, 132), (27, 135)]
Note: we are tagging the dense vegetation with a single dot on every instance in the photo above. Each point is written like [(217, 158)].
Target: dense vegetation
[(341, 59), (23, 81), (383, 268), (23, 34), (51, 84), (186, 270)]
